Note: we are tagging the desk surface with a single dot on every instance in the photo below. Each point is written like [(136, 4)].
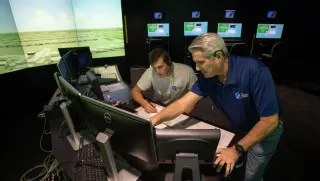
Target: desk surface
[(68, 158)]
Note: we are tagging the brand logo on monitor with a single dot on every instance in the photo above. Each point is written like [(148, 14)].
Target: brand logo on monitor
[(107, 117)]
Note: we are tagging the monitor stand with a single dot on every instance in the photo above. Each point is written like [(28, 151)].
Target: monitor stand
[(187, 167), (74, 137), (56, 78), (126, 173)]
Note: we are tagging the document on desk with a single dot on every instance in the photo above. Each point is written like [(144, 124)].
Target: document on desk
[(185, 122), (112, 87), (159, 108), (144, 114)]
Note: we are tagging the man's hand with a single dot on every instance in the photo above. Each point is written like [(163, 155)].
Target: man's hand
[(153, 121), (149, 108), (228, 156)]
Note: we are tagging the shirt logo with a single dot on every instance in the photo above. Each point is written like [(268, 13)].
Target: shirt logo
[(240, 95)]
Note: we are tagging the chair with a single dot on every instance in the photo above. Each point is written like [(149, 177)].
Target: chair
[(269, 55), (240, 49), (277, 62), (277, 55)]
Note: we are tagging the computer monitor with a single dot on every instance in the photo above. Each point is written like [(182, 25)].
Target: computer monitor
[(195, 14), (69, 62), (229, 14), (230, 30), (69, 91), (187, 147), (63, 70), (81, 57), (203, 142), (133, 135), (95, 85), (157, 15), (158, 30), (269, 31), (272, 14), (195, 28)]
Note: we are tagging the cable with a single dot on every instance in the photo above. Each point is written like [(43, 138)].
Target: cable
[(44, 128), (22, 178), (45, 172), (58, 136), (47, 131)]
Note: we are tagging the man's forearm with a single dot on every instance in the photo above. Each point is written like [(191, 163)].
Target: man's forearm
[(260, 131), (171, 112), (138, 97)]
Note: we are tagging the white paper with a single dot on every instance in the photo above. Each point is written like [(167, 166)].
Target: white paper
[(185, 122), (144, 114), (159, 108), (114, 87), (104, 88), (225, 136), (161, 126)]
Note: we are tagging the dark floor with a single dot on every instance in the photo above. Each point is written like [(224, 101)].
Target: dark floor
[(296, 158)]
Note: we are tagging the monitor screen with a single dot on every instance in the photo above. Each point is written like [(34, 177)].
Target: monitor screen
[(70, 63), (158, 30), (133, 134), (63, 70), (230, 30), (272, 14), (269, 31), (31, 32), (157, 15), (196, 14), (229, 14), (195, 28)]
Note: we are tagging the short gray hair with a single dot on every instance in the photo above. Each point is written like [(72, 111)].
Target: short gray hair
[(208, 43)]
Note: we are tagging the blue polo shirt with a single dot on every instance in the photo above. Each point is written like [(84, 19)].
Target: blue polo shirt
[(248, 94)]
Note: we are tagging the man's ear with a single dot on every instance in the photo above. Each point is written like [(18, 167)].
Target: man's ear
[(219, 54)]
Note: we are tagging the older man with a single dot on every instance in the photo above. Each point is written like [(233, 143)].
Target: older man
[(241, 87)]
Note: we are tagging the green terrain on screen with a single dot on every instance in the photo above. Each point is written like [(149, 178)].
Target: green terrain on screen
[(223, 27), (263, 28), (30, 49), (188, 26)]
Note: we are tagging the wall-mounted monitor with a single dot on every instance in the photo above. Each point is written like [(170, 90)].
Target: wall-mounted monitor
[(272, 14), (157, 15), (229, 14), (269, 31), (195, 28), (230, 30), (158, 30), (195, 14)]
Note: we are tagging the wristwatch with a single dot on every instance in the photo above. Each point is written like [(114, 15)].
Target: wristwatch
[(239, 149)]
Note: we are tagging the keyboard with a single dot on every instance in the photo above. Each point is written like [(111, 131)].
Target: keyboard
[(109, 75), (93, 167)]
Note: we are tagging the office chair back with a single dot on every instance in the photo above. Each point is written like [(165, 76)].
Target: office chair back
[(278, 51), (240, 49)]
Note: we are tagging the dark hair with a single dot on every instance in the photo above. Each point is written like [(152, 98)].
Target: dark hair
[(157, 53)]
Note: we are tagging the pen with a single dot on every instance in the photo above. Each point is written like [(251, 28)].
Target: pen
[(150, 103)]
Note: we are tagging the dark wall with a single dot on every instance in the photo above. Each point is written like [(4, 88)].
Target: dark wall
[(140, 12)]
